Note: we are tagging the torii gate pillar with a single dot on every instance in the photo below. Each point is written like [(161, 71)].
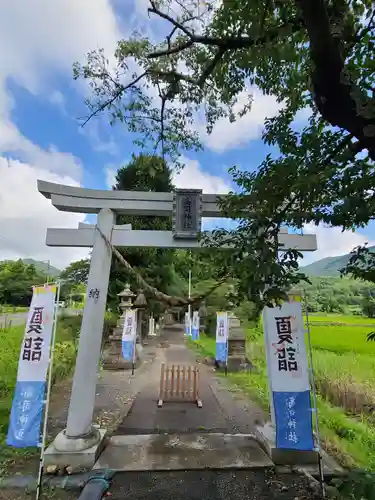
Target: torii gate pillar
[(79, 434)]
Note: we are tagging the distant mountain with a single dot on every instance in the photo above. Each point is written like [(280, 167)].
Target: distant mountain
[(43, 267), (329, 266)]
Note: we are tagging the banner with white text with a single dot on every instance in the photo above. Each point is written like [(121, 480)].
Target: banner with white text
[(222, 333), (29, 395), (195, 326), (289, 375), (129, 334)]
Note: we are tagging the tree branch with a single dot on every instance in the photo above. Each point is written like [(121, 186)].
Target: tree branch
[(226, 42), (121, 90), (171, 50), (338, 99), (166, 76), (211, 66)]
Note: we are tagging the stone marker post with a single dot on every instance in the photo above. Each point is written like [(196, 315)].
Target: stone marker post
[(140, 304)]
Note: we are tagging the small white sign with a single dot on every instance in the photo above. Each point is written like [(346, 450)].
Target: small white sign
[(195, 325), (187, 324), (129, 331), (222, 330)]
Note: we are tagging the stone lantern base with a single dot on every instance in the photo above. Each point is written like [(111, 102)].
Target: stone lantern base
[(237, 359), (112, 359)]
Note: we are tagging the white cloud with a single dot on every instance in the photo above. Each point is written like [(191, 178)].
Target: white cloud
[(193, 177), (226, 135), (100, 135), (41, 36), (332, 242), (57, 98), (40, 40), (26, 214), (12, 141), (110, 176)]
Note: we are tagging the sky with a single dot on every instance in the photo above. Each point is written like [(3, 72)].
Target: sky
[(41, 136)]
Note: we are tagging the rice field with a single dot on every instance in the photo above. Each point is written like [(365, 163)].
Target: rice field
[(342, 339), (344, 365)]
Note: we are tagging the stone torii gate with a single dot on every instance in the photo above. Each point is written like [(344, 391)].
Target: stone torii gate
[(80, 443)]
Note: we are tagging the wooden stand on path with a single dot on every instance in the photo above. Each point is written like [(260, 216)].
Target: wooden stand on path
[(179, 384)]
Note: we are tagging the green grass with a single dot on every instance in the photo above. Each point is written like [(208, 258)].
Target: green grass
[(345, 373), (342, 338), (9, 355), (354, 367), (341, 318)]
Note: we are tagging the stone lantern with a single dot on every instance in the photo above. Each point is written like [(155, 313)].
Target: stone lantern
[(113, 359), (125, 303), (236, 339), (140, 305)]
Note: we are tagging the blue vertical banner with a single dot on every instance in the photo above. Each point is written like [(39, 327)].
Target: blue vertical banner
[(195, 326), (289, 376), (222, 333), (187, 324), (129, 334), (29, 396)]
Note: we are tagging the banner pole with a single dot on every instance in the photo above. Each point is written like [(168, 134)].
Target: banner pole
[(189, 306), (135, 341), (312, 378), (48, 396), (226, 344)]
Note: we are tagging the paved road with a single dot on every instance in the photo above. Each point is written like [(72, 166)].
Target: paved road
[(21, 317), (15, 318), (211, 485)]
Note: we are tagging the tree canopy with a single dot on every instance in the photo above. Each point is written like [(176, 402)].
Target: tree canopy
[(77, 272), (16, 282), (144, 173), (314, 56)]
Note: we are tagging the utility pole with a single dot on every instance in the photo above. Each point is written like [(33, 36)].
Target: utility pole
[(48, 270)]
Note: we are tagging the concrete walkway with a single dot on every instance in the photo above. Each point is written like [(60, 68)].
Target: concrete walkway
[(181, 435), (220, 412)]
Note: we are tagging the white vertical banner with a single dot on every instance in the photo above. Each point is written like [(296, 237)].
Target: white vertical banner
[(29, 395), (129, 334), (187, 324), (195, 326), (151, 327), (289, 375), (222, 334)]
